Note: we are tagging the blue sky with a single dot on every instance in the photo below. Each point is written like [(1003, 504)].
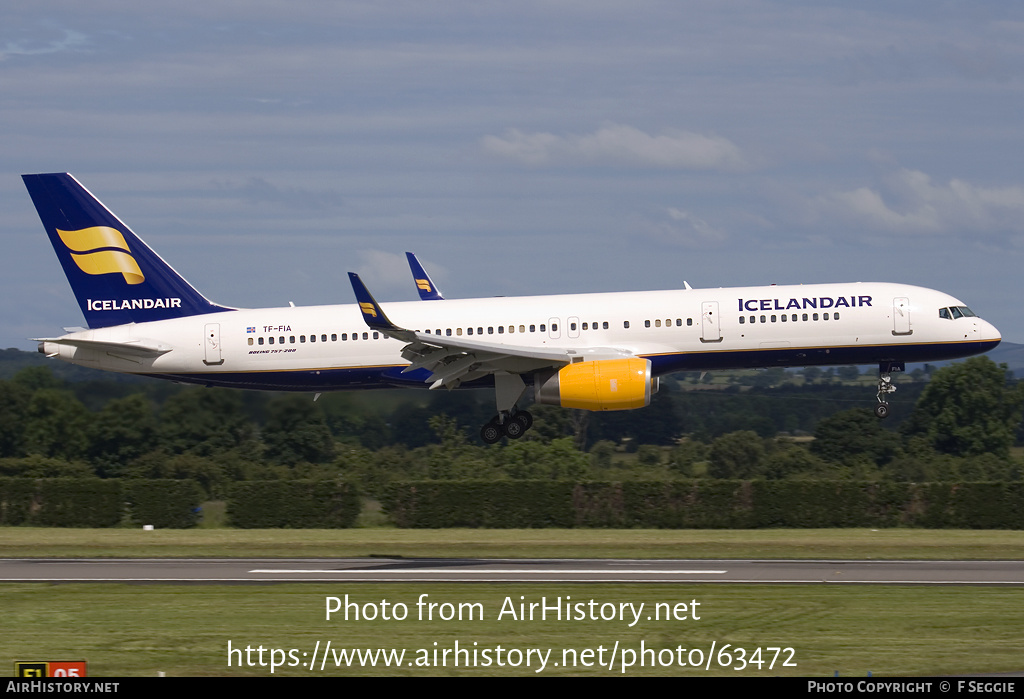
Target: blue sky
[(267, 148)]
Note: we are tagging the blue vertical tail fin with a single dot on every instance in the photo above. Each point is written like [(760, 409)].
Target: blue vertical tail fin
[(424, 284), (116, 277)]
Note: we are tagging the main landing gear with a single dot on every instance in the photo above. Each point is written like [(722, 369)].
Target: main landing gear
[(509, 422), (885, 386), (512, 425)]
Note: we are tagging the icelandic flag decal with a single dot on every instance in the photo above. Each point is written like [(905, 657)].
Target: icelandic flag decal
[(250, 329)]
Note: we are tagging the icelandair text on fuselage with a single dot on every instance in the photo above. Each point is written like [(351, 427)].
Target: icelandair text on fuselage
[(801, 304), (129, 304)]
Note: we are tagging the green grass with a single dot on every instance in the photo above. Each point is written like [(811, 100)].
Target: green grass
[(19, 542), (141, 630)]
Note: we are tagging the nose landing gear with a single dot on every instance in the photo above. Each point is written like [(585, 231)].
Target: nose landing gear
[(885, 386)]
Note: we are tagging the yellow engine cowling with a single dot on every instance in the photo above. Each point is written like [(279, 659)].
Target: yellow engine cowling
[(604, 384)]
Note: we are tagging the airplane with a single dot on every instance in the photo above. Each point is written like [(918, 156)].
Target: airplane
[(598, 351)]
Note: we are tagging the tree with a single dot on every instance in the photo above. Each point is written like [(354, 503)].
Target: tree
[(736, 455), (296, 431), (969, 408), (845, 436)]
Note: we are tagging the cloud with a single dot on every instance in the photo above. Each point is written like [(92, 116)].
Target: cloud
[(682, 229), (619, 144), (71, 41), (909, 202)]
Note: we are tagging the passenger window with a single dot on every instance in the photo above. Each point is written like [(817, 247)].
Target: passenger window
[(501, 329), (603, 325), (302, 339), (824, 316), (689, 322), (479, 331), (323, 338), (280, 340), (657, 323), (511, 328), (458, 331), (814, 316), (835, 316), (647, 323), (291, 340), (805, 316), (490, 329), (376, 336), (585, 326), (625, 323), (741, 320), (522, 328), (753, 319), (773, 319), (334, 337), (271, 340), (260, 341), (572, 326), (344, 337), (554, 327), (543, 328), (533, 328), (793, 317), (469, 331), (366, 336), (250, 340), (784, 318), (764, 319), (448, 332)]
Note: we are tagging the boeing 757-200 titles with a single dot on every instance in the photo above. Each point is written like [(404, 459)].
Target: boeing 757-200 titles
[(590, 351)]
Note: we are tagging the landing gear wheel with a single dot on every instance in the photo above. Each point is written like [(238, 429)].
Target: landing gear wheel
[(515, 427), (527, 417), (882, 411), (491, 432)]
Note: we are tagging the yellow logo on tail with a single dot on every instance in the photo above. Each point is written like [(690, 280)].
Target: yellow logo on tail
[(423, 284), (95, 261), (367, 309)]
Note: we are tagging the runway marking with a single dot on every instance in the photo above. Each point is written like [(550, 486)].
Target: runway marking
[(492, 571)]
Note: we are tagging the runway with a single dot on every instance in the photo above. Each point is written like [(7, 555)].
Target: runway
[(290, 570)]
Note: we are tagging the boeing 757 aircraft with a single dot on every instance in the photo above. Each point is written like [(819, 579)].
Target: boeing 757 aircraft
[(590, 351)]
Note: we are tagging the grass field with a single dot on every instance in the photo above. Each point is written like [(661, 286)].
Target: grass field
[(142, 630), (893, 544)]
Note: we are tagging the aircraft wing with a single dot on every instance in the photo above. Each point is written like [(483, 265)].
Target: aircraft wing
[(455, 360)]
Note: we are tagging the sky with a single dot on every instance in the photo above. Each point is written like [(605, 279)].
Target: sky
[(264, 149)]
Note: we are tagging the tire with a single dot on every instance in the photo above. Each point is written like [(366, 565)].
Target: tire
[(882, 411), (515, 427), (490, 433)]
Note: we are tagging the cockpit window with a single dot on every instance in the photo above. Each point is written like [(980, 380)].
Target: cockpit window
[(954, 312)]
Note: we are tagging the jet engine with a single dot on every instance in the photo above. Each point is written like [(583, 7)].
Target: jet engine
[(602, 384)]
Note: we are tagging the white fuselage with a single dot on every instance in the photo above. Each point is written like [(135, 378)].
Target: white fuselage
[(319, 348)]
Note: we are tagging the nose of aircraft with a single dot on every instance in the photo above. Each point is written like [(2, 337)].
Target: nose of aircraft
[(988, 333)]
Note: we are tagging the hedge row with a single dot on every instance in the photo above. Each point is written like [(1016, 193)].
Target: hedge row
[(293, 505), (705, 504), (93, 502)]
